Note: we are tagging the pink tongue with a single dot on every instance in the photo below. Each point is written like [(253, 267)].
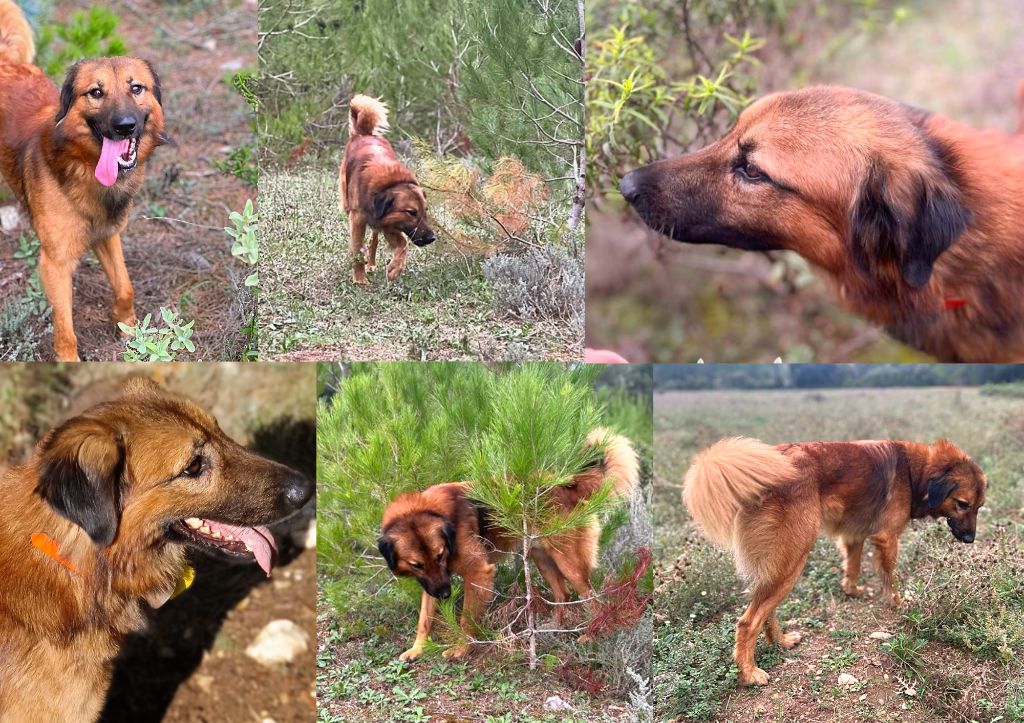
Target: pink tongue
[(260, 539), (106, 169)]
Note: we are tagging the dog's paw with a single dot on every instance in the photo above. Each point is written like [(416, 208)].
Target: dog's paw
[(852, 589), (790, 640), (371, 267), (361, 280), (393, 274), (411, 654), (754, 677), (456, 651)]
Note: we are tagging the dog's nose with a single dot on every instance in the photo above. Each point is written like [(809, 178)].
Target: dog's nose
[(967, 537), (630, 186), (296, 490), (444, 593), (125, 126)]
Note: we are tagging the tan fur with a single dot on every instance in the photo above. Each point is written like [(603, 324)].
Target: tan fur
[(769, 504), (435, 533), (367, 116), (16, 45), (60, 630), (49, 151)]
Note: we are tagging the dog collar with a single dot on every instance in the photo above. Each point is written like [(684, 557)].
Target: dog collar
[(51, 548)]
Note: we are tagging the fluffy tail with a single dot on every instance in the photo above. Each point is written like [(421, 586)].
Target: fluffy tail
[(16, 44), (728, 476), (619, 464), (367, 116)]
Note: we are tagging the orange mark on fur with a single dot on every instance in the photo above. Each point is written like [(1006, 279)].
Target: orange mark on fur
[(949, 304), (49, 547)]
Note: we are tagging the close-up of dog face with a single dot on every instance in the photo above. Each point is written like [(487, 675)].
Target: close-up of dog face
[(955, 490), (420, 545), (156, 468), (403, 207), (117, 103), (843, 177)]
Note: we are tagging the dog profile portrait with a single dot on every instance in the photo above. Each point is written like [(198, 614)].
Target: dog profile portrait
[(441, 531), (914, 218), (75, 157), (95, 531), (378, 192), (768, 504)]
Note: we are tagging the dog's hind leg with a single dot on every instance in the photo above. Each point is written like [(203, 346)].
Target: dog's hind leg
[(357, 234), (851, 551), (427, 606), (111, 257), (371, 252), (888, 548), (775, 635), (549, 571)]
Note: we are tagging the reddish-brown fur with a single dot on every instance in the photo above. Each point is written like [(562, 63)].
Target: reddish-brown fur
[(108, 486), (444, 532), (915, 218), (48, 154), (769, 504), (378, 192)]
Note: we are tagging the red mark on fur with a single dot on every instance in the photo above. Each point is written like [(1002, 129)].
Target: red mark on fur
[(49, 547), (949, 304)]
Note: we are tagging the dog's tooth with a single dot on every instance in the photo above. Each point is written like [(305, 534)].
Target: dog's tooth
[(216, 535), (205, 529), (230, 538), (247, 547), (194, 522)]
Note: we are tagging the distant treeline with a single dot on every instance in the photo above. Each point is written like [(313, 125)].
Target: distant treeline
[(796, 376)]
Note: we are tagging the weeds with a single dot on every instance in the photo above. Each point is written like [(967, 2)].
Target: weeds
[(541, 283), (148, 344)]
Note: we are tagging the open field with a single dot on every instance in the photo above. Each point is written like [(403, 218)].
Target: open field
[(957, 641)]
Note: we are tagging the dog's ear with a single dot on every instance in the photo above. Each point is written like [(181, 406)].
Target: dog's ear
[(937, 489), (157, 93), (387, 550), (448, 532), (80, 476), (67, 92), (907, 221), (382, 203)]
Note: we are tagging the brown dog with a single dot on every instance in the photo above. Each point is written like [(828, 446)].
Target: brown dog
[(95, 528), (769, 504), (376, 190), (915, 218), (75, 158), (433, 534)]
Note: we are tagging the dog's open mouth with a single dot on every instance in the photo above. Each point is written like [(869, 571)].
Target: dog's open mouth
[(248, 542), (116, 156)]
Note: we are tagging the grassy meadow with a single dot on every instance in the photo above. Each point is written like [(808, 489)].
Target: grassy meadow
[(952, 652)]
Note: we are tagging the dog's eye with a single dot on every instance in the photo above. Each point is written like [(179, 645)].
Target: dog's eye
[(194, 467), (95, 93), (417, 565), (749, 172), (412, 212), (439, 556), (962, 505), (137, 89)]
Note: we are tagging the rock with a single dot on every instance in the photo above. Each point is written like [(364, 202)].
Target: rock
[(880, 635), (847, 679), (554, 703), (279, 642), (204, 683), (910, 692), (9, 218)]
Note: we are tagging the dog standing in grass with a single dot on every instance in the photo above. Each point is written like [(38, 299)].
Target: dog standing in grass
[(378, 192), (768, 504), (75, 158)]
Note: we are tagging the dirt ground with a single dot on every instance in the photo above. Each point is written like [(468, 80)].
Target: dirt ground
[(190, 665), (657, 300), (176, 251)]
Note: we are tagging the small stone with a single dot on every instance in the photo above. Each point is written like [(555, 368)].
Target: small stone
[(279, 642), (9, 218), (847, 679), (910, 692), (880, 635), (204, 683), (231, 65), (554, 703)]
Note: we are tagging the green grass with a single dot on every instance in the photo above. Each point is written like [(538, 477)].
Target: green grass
[(957, 641), (441, 307)]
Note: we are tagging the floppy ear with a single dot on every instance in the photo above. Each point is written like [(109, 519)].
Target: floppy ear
[(937, 490), (448, 531), (909, 223), (156, 83), (382, 203), (67, 93), (80, 475), (387, 550)]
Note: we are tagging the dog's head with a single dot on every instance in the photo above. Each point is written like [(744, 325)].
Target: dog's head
[(117, 103), (403, 207), (152, 470), (420, 544), (953, 488), (849, 180)]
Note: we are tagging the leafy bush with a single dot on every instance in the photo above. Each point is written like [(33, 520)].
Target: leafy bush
[(150, 343), (89, 34), (542, 283)]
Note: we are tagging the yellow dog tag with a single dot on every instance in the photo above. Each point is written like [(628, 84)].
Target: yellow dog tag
[(188, 576)]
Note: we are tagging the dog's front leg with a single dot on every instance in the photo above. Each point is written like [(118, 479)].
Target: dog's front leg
[(55, 275), (111, 257), (479, 589), (357, 234), (399, 250), (371, 252), (427, 606)]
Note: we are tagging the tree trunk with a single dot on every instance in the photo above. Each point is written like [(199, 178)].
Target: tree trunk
[(531, 628)]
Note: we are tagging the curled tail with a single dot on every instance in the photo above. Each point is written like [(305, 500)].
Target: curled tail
[(367, 116), (728, 476), (16, 44), (620, 464)]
